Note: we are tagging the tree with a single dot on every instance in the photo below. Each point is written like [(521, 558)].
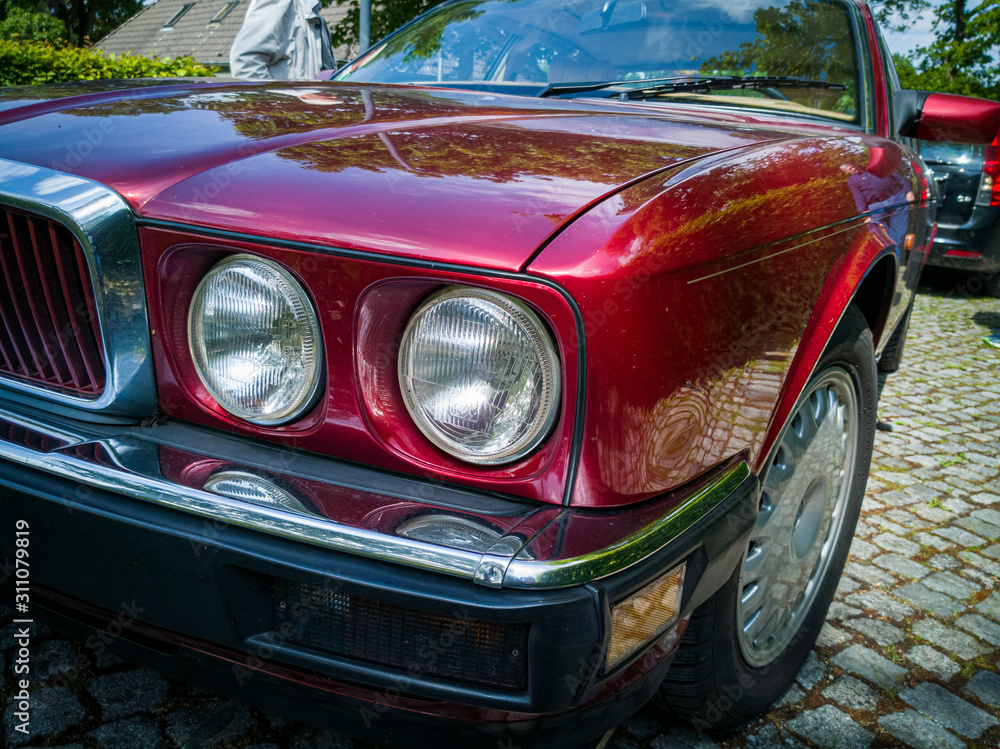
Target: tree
[(965, 56), (387, 16), (31, 26), (85, 20)]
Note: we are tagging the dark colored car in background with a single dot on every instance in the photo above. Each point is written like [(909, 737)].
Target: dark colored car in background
[(968, 236), (523, 374)]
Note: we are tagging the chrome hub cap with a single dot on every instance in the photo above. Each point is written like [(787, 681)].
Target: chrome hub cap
[(804, 494)]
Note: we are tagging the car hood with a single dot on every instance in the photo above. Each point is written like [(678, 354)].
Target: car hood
[(443, 175)]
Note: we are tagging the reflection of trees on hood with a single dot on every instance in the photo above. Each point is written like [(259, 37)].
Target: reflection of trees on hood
[(425, 132), (499, 152), (807, 39)]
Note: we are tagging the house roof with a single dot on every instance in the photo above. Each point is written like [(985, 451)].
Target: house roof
[(193, 33)]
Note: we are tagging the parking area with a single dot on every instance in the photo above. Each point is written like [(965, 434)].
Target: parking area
[(909, 657)]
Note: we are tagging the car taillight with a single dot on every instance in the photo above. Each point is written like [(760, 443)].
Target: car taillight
[(989, 190)]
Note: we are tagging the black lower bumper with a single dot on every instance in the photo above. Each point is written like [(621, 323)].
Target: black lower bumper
[(203, 602)]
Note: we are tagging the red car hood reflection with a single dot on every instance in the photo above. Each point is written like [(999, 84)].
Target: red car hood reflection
[(436, 174)]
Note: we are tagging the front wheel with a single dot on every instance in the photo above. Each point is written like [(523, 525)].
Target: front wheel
[(745, 645)]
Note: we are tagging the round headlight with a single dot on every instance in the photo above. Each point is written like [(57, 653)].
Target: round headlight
[(479, 375), (255, 340)]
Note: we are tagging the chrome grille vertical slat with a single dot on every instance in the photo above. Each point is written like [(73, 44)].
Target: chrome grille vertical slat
[(74, 333)]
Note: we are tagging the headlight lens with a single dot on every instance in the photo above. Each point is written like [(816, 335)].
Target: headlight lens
[(479, 375), (255, 340)]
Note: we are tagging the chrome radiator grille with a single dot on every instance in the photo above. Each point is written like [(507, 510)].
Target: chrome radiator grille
[(49, 329)]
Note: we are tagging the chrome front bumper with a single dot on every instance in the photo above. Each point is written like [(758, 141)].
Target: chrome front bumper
[(358, 510)]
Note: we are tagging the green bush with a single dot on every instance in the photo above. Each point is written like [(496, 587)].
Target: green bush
[(32, 62), (29, 26)]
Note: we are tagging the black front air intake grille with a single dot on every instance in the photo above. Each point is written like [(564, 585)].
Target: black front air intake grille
[(418, 642)]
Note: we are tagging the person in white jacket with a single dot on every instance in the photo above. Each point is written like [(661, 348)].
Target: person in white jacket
[(282, 40)]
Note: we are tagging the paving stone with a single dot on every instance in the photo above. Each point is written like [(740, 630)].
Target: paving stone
[(866, 573), (981, 627), (129, 692), (986, 686), (960, 537), (990, 607), (881, 632), (768, 737), (929, 600), (53, 710), (901, 565), (793, 696), (830, 636), (887, 525), (980, 528), (985, 498), (988, 516), (992, 551), (900, 498), (319, 738), (862, 549), (941, 706), (932, 514), (847, 585), (949, 639), (881, 604), (678, 738), (954, 504), (210, 724), (871, 505), (934, 541), (852, 693), (905, 519), (943, 562), (840, 610), (7, 634), (916, 731), (644, 723), (869, 665), (952, 585), (51, 659), (812, 671), (937, 663), (831, 729), (889, 542), (138, 732)]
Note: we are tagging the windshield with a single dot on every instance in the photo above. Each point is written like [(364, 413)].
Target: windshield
[(534, 46)]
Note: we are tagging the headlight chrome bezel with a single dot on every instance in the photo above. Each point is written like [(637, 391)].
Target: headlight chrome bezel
[(310, 394), (541, 337)]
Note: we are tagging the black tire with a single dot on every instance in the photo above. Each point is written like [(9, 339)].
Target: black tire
[(712, 683), (991, 285)]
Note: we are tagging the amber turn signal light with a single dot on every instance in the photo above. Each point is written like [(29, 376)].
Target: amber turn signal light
[(641, 618)]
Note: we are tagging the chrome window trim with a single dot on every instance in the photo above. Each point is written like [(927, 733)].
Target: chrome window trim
[(104, 225), (134, 472)]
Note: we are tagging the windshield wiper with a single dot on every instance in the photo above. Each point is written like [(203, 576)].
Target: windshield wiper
[(727, 82), (689, 84), (554, 89)]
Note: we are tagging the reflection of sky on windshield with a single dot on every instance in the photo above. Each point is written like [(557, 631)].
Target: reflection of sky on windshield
[(740, 11)]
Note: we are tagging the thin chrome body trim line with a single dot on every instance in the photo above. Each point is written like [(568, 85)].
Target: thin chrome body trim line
[(104, 226), (134, 472)]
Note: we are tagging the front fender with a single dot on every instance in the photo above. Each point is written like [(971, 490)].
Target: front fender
[(708, 294)]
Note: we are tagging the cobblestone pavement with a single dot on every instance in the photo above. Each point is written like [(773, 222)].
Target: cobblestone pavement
[(909, 657)]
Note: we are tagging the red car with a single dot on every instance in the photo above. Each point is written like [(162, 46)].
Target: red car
[(523, 373)]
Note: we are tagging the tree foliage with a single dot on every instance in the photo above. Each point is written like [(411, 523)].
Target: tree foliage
[(387, 16), (29, 25), (965, 55), (85, 20), (28, 62)]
